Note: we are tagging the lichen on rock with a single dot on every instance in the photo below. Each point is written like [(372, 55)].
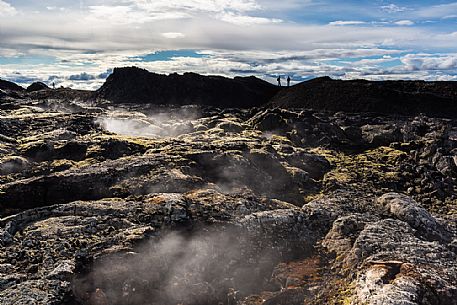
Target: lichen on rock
[(224, 206)]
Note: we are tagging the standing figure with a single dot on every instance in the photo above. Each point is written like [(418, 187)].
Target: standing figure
[(288, 81), (279, 80), (53, 85)]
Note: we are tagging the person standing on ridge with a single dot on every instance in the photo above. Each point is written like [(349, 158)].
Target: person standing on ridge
[(279, 80), (288, 81)]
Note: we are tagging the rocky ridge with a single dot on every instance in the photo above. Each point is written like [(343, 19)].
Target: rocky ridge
[(10, 86), (135, 85), (389, 97)]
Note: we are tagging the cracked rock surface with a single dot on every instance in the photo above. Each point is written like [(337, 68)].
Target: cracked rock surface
[(135, 204)]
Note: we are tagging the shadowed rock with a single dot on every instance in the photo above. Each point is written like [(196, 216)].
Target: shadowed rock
[(6, 85), (37, 86), (395, 97), (134, 85)]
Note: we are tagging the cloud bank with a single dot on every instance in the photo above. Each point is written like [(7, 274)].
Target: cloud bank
[(74, 44)]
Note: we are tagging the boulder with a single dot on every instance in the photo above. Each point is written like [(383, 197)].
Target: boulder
[(271, 122), (229, 126), (316, 166), (446, 165), (422, 272), (406, 209), (353, 133), (341, 236), (381, 135), (13, 164)]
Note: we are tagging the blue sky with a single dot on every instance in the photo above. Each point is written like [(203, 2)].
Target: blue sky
[(77, 43)]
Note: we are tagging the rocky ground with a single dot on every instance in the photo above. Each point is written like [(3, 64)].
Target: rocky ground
[(115, 204)]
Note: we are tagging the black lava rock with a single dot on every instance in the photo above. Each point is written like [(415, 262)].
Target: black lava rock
[(389, 97), (135, 85), (37, 86), (6, 85)]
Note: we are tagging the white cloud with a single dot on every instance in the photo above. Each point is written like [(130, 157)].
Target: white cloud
[(245, 20), (129, 15), (373, 61), (6, 9), (425, 62), (142, 11), (285, 5), (125, 27), (100, 33), (173, 35), (5, 52), (404, 22), (349, 22), (264, 57), (393, 8), (196, 5), (374, 23), (438, 11), (55, 8)]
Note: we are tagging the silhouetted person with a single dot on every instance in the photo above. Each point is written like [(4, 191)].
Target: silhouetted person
[(288, 81), (279, 81), (53, 85)]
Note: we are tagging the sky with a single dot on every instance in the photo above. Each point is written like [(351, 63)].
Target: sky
[(78, 43)]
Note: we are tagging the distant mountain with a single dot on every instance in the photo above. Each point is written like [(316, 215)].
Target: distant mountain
[(135, 85), (391, 97), (6, 85)]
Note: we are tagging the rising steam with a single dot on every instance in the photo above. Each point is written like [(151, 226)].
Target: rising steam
[(199, 268), (157, 123)]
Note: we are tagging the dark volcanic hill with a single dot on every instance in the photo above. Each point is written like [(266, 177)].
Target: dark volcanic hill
[(6, 85), (37, 86), (391, 97), (135, 85)]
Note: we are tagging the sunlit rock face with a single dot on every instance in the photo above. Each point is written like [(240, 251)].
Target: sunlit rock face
[(104, 203)]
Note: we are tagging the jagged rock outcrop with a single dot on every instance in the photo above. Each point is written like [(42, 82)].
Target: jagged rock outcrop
[(134, 85), (389, 97)]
